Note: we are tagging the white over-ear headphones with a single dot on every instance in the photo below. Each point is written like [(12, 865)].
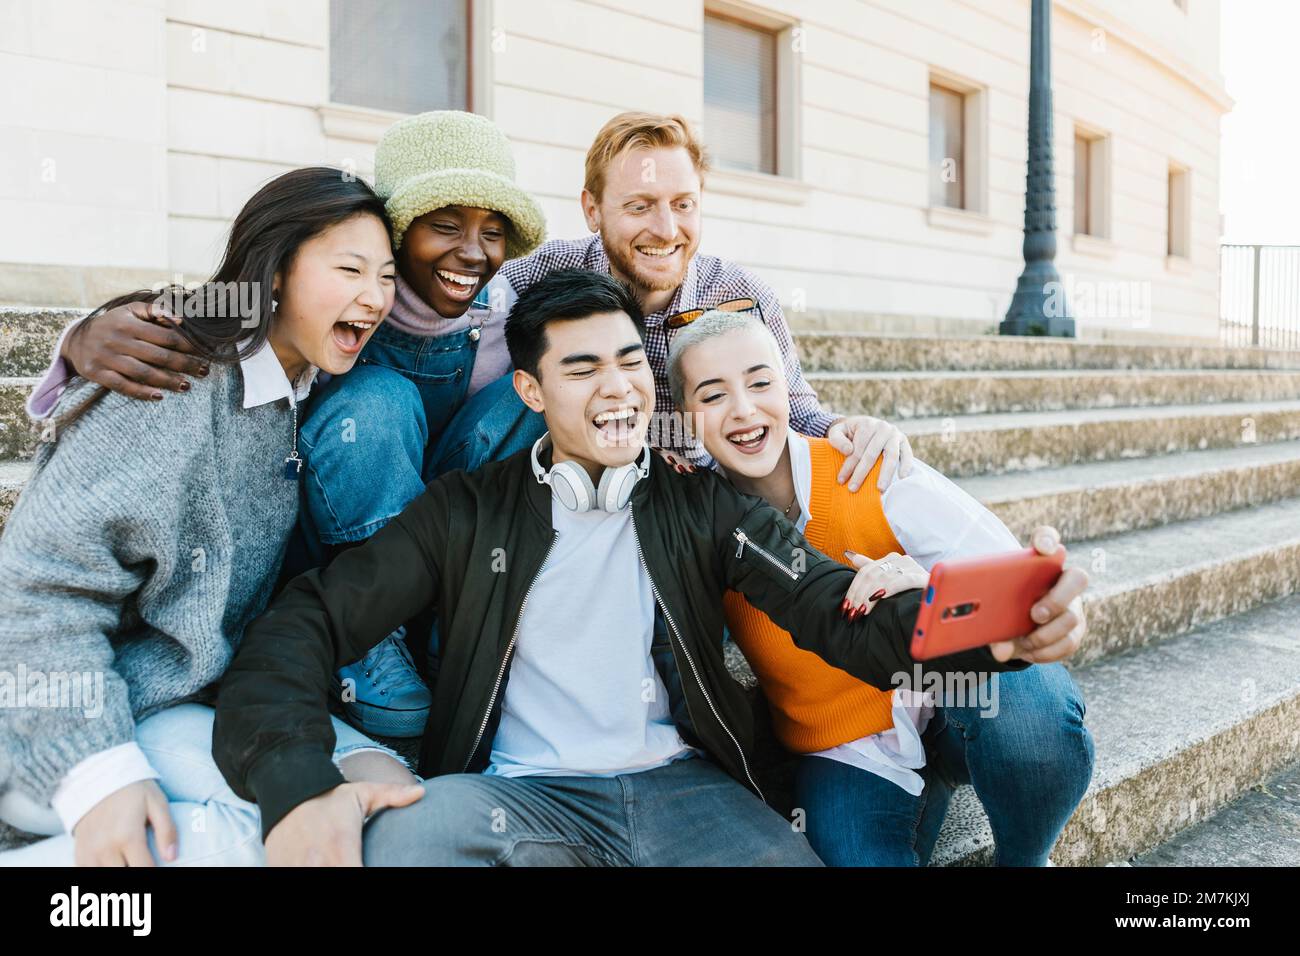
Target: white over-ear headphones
[(571, 484)]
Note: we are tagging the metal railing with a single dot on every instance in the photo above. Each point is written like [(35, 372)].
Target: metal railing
[(1259, 296)]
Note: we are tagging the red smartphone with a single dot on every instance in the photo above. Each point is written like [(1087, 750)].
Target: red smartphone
[(974, 601)]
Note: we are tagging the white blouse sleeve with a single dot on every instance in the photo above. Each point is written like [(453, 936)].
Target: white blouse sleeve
[(934, 520), (97, 776)]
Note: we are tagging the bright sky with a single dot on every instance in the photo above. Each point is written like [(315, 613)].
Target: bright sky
[(1260, 162)]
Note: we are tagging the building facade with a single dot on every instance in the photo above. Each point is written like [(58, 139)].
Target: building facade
[(870, 153)]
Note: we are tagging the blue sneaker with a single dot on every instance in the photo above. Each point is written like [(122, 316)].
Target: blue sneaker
[(386, 696)]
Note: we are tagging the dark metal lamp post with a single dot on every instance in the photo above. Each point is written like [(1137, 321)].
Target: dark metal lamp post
[(1038, 306)]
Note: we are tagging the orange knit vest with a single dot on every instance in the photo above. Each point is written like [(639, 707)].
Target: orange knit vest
[(814, 705)]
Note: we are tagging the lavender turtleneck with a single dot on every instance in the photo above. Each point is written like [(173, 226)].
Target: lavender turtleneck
[(414, 316)]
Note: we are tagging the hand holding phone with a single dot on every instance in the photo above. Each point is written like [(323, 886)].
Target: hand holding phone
[(976, 601)]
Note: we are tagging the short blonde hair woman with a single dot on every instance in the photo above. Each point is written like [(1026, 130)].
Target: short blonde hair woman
[(878, 766)]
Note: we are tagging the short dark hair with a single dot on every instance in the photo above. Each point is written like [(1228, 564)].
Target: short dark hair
[(564, 294)]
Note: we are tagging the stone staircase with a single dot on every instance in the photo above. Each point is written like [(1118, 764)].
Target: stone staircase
[(1174, 476)]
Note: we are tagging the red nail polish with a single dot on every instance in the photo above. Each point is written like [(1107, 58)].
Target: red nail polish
[(877, 596)]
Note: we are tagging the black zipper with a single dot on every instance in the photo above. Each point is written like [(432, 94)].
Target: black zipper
[(745, 539)]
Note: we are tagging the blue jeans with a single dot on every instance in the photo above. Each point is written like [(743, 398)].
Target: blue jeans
[(367, 434), (1030, 766), (686, 813), (373, 438), (214, 827)]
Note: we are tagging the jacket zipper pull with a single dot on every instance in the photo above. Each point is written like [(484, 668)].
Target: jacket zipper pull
[(740, 536)]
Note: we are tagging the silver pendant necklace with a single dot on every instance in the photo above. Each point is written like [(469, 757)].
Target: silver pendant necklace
[(293, 464)]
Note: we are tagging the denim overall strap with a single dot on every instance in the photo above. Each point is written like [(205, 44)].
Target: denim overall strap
[(439, 366), (367, 436)]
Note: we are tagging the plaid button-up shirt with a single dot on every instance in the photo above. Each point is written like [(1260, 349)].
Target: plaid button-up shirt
[(709, 282)]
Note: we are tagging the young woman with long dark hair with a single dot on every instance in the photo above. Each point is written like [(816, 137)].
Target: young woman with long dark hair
[(152, 532)]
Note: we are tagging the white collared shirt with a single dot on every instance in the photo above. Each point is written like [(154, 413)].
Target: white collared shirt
[(101, 774), (265, 380), (934, 521)]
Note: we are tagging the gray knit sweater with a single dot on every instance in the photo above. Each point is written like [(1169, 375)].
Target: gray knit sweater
[(150, 534)]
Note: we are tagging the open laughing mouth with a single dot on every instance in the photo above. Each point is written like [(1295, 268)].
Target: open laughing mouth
[(615, 426), (459, 286), (350, 335), (660, 253), (751, 441)]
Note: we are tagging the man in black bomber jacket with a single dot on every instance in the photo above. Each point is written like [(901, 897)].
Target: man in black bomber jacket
[(582, 694)]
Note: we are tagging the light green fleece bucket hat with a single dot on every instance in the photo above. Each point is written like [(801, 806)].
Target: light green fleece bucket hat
[(453, 158)]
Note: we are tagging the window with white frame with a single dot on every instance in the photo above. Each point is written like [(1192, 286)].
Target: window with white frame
[(956, 161), (402, 56), (1091, 183), (1178, 203)]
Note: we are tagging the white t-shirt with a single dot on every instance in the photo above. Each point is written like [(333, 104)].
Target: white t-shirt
[(584, 698)]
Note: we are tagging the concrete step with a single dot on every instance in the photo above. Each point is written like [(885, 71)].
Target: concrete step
[(863, 352), (931, 326), (18, 435), (1108, 497), (1259, 828), (28, 335), (13, 475), (1181, 729), (961, 446), (1148, 585), (901, 395)]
